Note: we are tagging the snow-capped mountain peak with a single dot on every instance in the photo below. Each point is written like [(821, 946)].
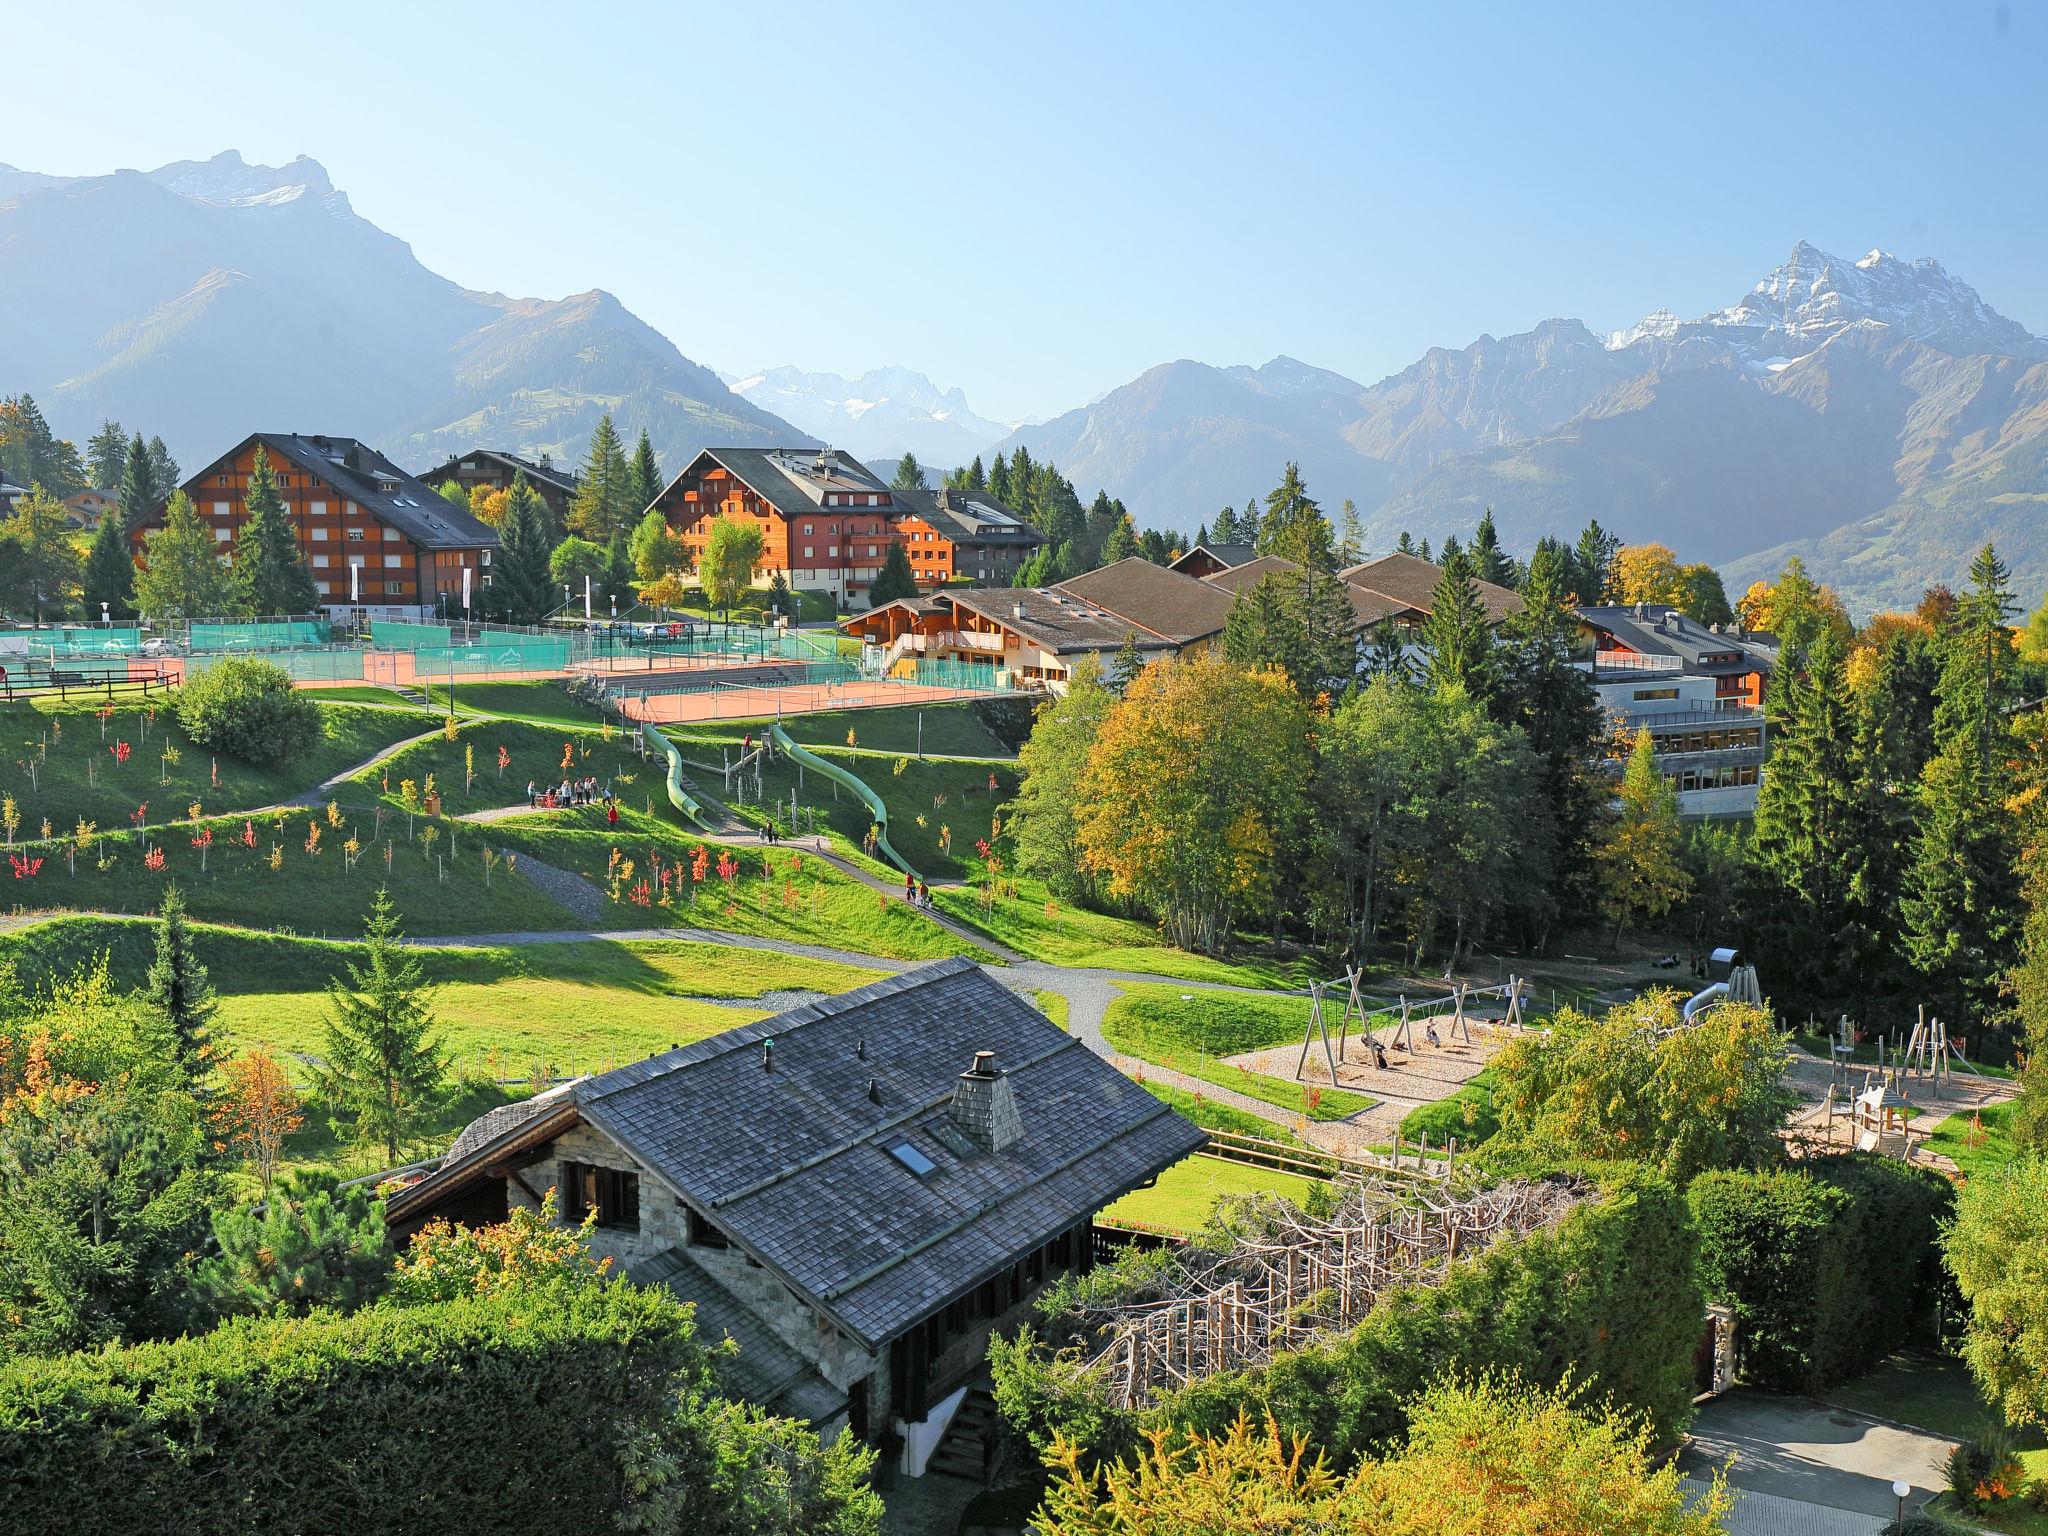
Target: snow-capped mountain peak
[(229, 181), (880, 415)]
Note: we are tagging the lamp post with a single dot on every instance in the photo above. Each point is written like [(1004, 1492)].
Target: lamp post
[(1900, 1488)]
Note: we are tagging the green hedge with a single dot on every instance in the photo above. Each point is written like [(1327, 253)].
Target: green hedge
[(1609, 1297), (1827, 1266), (481, 1416)]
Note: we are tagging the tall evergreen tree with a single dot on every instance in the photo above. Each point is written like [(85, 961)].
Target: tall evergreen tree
[(271, 575), (181, 577), (643, 477), (1201, 535), (909, 474), (602, 505), (179, 997), (163, 470), (138, 498), (1978, 660), (1300, 622), (521, 587), (999, 484), (1489, 561), (1294, 526), (1225, 531), (977, 477), (895, 580), (384, 1067), (1593, 563), (109, 575), (1122, 542), (1457, 638), (105, 454), (1351, 535)]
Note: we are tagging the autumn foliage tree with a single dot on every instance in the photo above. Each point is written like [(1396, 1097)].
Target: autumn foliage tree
[(255, 1110), (1640, 871), (1194, 786)]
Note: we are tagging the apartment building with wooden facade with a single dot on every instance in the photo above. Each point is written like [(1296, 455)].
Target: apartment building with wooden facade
[(498, 467), (381, 543), (964, 535)]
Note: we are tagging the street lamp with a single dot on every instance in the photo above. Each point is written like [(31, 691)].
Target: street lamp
[(1900, 1488)]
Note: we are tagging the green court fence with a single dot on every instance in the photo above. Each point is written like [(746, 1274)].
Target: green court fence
[(258, 635), (115, 640)]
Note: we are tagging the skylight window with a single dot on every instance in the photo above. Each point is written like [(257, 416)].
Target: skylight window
[(913, 1159)]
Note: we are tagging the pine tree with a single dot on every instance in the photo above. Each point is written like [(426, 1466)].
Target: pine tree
[(1457, 638), (521, 586), (137, 497), (271, 575), (1302, 623), (1225, 531), (1294, 526), (977, 477), (643, 477), (1122, 542), (109, 575), (1593, 561), (1351, 543), (1978, 660), (1386, 653), (894, 580), (178, 996), (1127, 664), (999, 484), (384, 1067), (1641, 874), (603, 491), (1201, 535), (163, 472), (1405, 545), (105, 454), (909, 474), (1489, 561), (181, 576)]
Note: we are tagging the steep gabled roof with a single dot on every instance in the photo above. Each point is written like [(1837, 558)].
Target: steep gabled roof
[(791, 480), (1410, 580), (1054, 619), (1170, 603), (1367, 608), (1226, 555), (361, 474), (540, 474), (784, 1134), (969, 517)]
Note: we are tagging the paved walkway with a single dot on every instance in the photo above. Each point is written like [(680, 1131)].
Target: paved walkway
[(320, 793), (1796, 1451), (1764, 1514)]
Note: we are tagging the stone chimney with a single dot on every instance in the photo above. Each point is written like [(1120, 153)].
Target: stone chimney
[(985, 1106)]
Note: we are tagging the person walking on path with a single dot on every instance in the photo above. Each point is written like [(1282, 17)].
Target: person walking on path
[(611, 813), (910, 887)]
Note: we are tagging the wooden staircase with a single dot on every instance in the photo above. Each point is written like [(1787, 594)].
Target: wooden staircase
[(960, 1453)]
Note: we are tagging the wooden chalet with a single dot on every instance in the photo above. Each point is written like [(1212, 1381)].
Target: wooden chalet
[(84, 509), (1206, 560), (381, 543), (856, 1192), (497, 468), (960, 535)]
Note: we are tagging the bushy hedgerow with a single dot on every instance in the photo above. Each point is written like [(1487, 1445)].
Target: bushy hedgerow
[(1608, 1297), (1827, 1265), (248, 708), (499, 1415)]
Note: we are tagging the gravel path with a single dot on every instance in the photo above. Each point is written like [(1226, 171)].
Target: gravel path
[(320, 793), (584, 900)]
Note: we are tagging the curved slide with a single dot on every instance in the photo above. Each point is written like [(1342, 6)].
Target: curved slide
[(867, 797), (678, 792)]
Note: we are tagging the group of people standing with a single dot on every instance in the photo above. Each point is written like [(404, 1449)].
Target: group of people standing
[(584, 791)]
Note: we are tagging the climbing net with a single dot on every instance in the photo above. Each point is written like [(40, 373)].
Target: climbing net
[(1297, 1277)]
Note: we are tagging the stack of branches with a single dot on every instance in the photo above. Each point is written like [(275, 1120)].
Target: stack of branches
[(1288, 1277)]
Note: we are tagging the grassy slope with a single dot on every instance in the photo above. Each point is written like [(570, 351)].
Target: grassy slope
[(544, 703), (1191, 1032), (1211, 1116), (808, 901), (536, 755), (1977, 1150), (940, 795), (1032, 924), (1467, 1114), (67, 738), (949, 729), (1186, 1192)]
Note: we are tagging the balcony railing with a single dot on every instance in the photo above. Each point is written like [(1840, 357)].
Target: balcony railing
[(1635, 664)]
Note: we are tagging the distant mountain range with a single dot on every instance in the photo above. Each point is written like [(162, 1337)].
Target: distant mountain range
[(879, 415), (207, 299), (1876, 417)]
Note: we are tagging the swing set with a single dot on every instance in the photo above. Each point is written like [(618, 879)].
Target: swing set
[(1514, 993)]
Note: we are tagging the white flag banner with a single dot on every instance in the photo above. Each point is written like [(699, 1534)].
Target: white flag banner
[(355, 582), (465, 589), (586, 599)]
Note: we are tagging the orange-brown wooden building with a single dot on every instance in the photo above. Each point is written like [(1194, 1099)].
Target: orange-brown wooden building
[(382, 543)]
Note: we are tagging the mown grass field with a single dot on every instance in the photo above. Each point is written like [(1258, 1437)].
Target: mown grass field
[(56, 766), (1191, 1032), (1977, 1145), (536, 755), (542, 703), (1188, 1191), (1032, 923), (804, 899), (1467, 1114), (953, 730), (1211, 1116)]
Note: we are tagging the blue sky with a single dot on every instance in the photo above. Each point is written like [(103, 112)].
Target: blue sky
[(1037, 203)]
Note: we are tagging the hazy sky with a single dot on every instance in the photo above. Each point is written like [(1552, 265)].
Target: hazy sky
[(1037, 202)]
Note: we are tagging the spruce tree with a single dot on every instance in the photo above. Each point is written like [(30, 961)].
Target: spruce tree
[(1489, 561), (179, 998), (1593, 562), (270, 571), (1300, 622), (181, 577), (1225, 531), (109, 575), (1201, 535), (644, 476), (895, 580), (1351, 539), (1294, 526), (603, 491), (105, 454), (137, 498), (977, 477), (384, 1067), (521, 586), (909, 474), (1457, 638), (999, 484), (1122, 542), (163, 470)]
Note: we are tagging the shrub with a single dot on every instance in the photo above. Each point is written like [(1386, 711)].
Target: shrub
[(1826, 1266), (249, 709), (1985, 1471), (495, 1414)]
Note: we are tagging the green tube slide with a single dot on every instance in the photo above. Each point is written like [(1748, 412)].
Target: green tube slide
[(678, 791), (837, 774)]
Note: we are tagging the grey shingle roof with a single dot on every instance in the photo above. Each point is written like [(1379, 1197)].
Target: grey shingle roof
[(361, 474), (1055, 619), (1170, 603), (561, 479), (794, 1162), (792, 480), (1367, 608), (970, 517), (766, 1370)]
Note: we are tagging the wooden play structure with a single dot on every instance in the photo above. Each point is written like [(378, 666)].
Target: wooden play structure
[(1296, 1278), (1452, 1012)]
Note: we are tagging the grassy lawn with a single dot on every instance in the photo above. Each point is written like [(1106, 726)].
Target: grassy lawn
[(1053, 1005), (1191, 1032), (1211, 1116), (807, 901), (953, 730), (543, 703), (360, 693), (535, 753), (1185, 1194), (936, 808), (77, 776), (1467, 1114), (1979, 1148), (1033, 924)]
